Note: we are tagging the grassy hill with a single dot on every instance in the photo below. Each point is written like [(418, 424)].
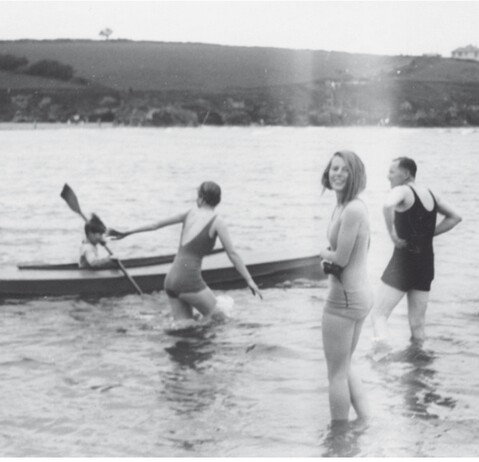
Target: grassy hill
[(192, 83), (157, 66)]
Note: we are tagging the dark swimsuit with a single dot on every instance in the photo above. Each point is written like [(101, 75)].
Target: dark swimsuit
[(412, 267), (185, 273)]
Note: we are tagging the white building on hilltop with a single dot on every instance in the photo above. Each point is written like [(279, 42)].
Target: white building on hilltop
[(469, 52)]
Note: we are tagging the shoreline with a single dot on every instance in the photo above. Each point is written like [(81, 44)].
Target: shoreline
[(5, 126)]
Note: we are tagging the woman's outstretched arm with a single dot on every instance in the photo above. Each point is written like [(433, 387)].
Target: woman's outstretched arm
[(173, 220)]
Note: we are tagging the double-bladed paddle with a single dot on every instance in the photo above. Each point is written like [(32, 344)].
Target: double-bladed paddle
[(71, 199)]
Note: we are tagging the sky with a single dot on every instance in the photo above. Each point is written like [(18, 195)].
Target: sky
[(376, 27)]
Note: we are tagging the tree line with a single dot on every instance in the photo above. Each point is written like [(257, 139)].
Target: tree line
[(44, 68)]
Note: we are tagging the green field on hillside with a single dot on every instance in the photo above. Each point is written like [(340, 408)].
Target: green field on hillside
[(156, 83)]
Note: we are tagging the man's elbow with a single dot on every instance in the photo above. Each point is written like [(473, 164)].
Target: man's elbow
[(388, 209)]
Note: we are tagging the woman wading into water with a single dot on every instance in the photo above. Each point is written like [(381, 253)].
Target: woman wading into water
[(349, 297), (184, 285)]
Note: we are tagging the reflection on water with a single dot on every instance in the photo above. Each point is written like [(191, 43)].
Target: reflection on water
[(416, 381), (191, 352), (421, 388), (189, 387)]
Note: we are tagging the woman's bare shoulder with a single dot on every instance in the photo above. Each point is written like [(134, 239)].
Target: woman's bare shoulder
[(356, 207), (189, 214), (218, 222)]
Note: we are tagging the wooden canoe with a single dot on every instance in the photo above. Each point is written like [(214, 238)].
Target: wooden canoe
[(218, 272), (127, 262)]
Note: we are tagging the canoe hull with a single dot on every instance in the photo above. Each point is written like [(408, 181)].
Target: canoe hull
[(217, 272)]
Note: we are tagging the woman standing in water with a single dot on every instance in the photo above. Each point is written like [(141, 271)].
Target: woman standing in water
[(350, 297), (184, 285)]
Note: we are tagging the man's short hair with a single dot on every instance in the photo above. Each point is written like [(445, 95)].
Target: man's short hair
[(408, 164)]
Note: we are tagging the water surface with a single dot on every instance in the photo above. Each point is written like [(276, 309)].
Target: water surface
[(99, 377)]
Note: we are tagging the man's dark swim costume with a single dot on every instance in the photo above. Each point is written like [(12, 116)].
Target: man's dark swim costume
[(412, 267)]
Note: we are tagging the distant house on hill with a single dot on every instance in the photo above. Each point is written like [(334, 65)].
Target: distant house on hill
[(469, 52)]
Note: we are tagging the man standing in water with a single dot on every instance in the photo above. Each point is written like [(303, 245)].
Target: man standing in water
[(410, 212)]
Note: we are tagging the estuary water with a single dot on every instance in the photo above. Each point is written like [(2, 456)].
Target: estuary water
[(99, 377)]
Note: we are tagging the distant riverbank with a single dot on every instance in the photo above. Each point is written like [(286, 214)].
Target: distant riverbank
[(346, 104), (170, 84)]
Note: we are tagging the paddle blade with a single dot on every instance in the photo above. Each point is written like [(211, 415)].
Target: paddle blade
[(71, 199)]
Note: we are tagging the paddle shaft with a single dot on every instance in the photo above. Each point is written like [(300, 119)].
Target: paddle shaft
[(71, 199), (125, 272)]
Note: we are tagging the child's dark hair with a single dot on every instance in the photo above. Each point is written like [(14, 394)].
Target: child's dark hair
[(95, 225), (210, 192)]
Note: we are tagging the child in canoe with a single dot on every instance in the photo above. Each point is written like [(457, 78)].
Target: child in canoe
[(94, 235)]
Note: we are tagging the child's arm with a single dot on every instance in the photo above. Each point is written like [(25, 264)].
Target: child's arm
[(89, 258)]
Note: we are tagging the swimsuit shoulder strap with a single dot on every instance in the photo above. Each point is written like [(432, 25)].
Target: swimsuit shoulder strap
[(419, 201), (204, 230), (210, 223), (414, 192)]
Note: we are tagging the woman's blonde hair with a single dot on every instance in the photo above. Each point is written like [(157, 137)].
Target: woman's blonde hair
[(356, 181)]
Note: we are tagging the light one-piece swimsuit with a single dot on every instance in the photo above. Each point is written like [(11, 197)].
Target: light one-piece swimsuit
[(351, 303)]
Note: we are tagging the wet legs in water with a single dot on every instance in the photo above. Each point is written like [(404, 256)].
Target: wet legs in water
[(416, 307), (340, 337), (180, 310), (204, 301), (387, 299)]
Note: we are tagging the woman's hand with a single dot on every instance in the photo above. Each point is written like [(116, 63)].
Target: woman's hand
[(323, 252), (114, 234), (254, 289)]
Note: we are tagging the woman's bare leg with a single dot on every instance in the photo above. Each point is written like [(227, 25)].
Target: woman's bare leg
[(338, 335), (180, 309), (356, 389), (205, 302)]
